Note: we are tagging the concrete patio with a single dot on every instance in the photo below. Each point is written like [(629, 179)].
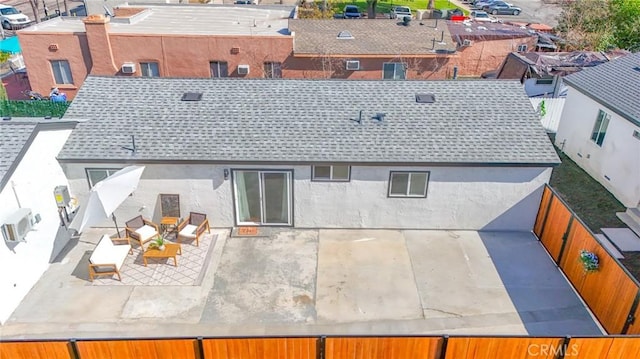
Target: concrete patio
[(311, 282)]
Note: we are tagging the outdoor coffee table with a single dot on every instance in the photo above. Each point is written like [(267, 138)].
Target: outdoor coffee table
[(170, 251)]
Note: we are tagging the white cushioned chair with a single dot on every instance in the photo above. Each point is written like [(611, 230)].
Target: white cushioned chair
[(108, 257), (193, 227), (141, 230)]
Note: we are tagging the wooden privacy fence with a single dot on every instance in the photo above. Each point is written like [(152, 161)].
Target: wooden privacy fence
[(417, 347), (611, 292)]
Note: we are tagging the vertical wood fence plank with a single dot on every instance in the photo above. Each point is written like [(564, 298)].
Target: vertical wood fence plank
[(35, 350), (260, 348), (609, 292), (542, 211), (555, 228), (588, 348), (624, 348), (501, 347), (144, 348), (384, 348)]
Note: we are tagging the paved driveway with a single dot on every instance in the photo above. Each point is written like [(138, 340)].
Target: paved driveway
[(297, 282)]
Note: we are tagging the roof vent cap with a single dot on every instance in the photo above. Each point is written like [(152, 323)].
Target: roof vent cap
[(425, 98), (192, 96), (637, 68), (345, 35)]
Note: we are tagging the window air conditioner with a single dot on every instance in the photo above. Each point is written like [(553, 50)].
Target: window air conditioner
[(353, 65), (16, 227), (243, 69), (128, 68), (466, 42)]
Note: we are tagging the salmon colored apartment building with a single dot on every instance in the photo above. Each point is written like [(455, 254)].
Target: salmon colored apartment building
[(204, 41)]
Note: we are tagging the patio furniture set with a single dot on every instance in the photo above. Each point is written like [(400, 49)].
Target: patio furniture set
[(108, 257)]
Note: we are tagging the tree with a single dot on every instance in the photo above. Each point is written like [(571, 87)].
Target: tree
[(371, 8), (431, 5), (625, 17), (585, 25)]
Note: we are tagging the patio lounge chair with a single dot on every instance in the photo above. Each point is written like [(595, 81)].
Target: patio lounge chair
[(141, 230), (193, 227), (108, 257)]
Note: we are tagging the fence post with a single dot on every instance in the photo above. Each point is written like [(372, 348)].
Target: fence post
[(200, 353), (320, 347), (631, 317), (445, 341), (565, 236), (546, 213), (74, 349)]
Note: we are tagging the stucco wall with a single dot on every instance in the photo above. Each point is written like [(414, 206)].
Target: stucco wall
[(488, 55), (618, 158), (22, 263), (458, 198)]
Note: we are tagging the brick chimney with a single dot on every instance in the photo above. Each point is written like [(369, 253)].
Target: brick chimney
[(97, 28)]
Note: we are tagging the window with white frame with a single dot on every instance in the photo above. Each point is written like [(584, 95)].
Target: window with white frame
[(272, 70), (149, 69), (219, 69), (95, 175), (336, 173), (408, 184), (394, 71), (61, 72), (600, 128)]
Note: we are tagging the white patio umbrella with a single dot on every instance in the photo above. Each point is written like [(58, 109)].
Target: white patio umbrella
[(106, 196)]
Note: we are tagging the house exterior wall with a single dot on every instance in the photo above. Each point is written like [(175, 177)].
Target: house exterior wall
[(34, 180), (488, 55), (491, 198), (619, 157)]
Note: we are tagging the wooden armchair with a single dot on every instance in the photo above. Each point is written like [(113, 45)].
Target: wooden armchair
[(141, 230), (108, 257), (193, 227)]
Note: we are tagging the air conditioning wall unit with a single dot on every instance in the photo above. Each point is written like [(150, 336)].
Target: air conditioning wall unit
[(16, 226), (353, 65), (467, 42), (128, 68), (243, 69)]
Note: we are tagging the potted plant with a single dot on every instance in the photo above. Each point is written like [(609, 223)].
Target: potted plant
[(589, 261), (157, 243)]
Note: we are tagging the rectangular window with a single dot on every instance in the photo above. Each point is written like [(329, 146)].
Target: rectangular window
[(61, 72), (272, 70), (336, 173), (408, 184), (394, 71), (544, 81), (522, 48), (600, 128), (218, 69), (95, 175), (150, 69)]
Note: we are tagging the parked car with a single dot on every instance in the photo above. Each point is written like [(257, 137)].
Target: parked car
[(400, 12), (479, 4), (502, 8), (352, 12), (481, 16), (12, 18)]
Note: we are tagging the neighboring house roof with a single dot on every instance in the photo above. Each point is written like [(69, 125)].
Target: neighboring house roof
[(14, 139), (486, 31), (305, 121), (615, 84), (186, 20), (369, 37)]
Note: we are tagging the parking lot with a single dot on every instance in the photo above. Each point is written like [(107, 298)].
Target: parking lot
[(537, 11)]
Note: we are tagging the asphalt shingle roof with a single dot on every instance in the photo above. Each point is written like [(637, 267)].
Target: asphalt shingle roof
[(307, 121), (379, 37), (14, 136), (615, 84)]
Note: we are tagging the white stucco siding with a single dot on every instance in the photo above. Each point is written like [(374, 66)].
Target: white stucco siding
[(22, 263), (475, 198), (619, 157)]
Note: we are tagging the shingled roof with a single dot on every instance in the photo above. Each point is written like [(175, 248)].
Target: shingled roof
[(14, 136), (306, 121), (615, 84)]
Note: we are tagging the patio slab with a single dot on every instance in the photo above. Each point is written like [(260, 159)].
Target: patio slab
[(365, 275)]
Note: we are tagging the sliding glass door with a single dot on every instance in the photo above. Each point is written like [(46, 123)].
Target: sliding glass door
[(262, 197)]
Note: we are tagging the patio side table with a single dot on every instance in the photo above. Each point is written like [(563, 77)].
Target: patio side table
[(169, 224)]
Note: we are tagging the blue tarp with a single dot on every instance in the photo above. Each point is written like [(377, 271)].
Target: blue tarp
[(11, 45)]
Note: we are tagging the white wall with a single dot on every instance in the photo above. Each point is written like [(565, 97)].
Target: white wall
[(553, 106), (619, 156), (34, 180), (491, 198)]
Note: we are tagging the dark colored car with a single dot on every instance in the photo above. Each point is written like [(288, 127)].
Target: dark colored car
[(352, 12), (502, 8)]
